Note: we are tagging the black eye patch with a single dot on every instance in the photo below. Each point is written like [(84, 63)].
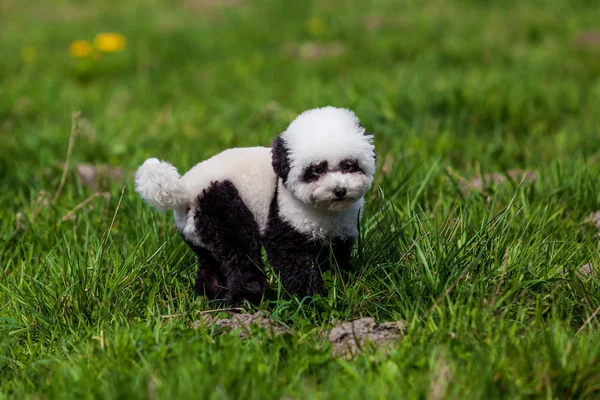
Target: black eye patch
[(349, 166), (313, 172)]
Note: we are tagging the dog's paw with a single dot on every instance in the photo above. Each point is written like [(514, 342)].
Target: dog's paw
[(318, 291), (311, 285), (244, 287)]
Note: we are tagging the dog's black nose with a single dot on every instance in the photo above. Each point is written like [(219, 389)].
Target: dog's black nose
[(339, 192)]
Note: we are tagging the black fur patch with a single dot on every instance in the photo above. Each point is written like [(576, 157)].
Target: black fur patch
[(341, 250), (230, 233), (210, 281), (280, 158), (313, 172), (349, 166), (292, 255)]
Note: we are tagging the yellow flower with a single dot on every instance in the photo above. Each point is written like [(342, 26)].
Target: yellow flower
[(109, 42), (29, 54), (315, 26), (81, 48)]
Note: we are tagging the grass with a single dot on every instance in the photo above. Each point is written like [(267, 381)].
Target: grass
[(100, 304)]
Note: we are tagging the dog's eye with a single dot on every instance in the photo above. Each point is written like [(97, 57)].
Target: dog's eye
[(313, 172), (349, 166), (320, 168)]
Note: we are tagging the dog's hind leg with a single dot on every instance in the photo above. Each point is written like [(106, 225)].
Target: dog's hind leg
[(210, 281), (229, 231)]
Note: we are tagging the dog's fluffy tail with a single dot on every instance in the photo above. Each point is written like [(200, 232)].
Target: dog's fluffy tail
[(158, 183)]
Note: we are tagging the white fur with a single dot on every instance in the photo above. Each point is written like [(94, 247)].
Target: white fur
[(158, 183), (330, 134), (319, 224), (322, 192), (250, 171)]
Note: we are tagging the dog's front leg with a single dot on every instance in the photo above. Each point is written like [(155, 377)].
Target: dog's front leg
[(336, 253), (293, 262)]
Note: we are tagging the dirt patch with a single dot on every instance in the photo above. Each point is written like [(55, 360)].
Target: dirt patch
[(203, 5), (586, 271), (243, 322), (440, 379), (350, 338), (99, 176), (483, 183), (313, 51), (388, 165), (479, 183), (591, 222), (372, 22), (593, 219), (587, 39), (20, 221)]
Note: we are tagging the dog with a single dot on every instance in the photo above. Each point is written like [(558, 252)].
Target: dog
[(301, 199)]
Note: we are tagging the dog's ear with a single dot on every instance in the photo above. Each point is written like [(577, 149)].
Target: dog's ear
[(280, 159), (365, 133), (374, 154)]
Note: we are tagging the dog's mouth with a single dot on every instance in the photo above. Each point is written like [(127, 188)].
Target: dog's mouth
[(331, 201), (336, 204), (341, 204)]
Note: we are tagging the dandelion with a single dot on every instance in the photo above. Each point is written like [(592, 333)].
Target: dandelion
[(81, 49), (109, 42), (29, 54), (315, 26)]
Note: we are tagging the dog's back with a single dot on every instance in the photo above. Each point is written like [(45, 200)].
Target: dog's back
[(250, 171)]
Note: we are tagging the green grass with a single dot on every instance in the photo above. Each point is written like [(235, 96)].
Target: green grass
[(487, 280)]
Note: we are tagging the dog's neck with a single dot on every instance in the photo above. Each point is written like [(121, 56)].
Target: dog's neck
[(315, 223)]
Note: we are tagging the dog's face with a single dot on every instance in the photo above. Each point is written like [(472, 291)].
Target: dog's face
[(330, 184), (325, 158)]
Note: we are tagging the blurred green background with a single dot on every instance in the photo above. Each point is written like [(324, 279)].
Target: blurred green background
[(507, 84)]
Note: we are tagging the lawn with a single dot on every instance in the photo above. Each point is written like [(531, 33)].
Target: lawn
[(476, 234)]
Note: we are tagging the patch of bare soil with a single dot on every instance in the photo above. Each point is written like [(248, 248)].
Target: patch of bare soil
[(313, 51), (243, 322), (592, 222), (372, 21), (588, 39), (350, 338), (99, 176), (479, 183), (594, 219), (586, 270), (203, 5), (440, 379)]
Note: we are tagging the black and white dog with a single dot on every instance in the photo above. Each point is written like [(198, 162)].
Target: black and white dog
[(300, 199)]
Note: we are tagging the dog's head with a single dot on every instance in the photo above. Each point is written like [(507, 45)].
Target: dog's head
[(325, 158)]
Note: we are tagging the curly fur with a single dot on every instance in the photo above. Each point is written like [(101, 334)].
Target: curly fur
[(158, 183), (230, 233), (292, 255), (301, 199)]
